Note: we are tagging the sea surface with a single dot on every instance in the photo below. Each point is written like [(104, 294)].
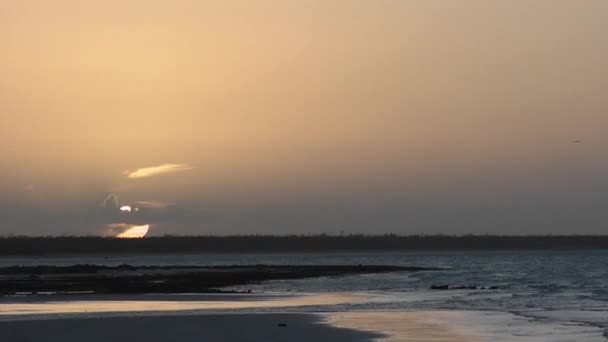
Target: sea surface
[(518, 295)]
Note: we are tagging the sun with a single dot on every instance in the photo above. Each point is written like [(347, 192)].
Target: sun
[(134, 232)]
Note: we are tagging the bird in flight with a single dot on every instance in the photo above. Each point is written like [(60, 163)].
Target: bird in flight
[(577, 141)]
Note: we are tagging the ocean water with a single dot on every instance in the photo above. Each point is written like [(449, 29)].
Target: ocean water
[(519, 295)]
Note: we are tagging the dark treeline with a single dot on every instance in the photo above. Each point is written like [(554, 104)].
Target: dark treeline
[(21, 245)]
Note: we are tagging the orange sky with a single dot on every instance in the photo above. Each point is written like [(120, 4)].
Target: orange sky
[(286, 110)]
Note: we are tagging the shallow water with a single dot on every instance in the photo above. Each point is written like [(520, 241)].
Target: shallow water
[(48, 306)]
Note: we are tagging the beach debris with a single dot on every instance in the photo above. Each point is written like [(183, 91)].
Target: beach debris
[(440, 287)]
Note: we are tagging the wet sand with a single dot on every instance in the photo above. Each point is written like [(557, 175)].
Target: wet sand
[(338, 327), (420, 326), (216, 328)]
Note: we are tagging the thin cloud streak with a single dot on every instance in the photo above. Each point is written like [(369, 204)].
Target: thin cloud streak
[(157, 170), (153, 204), (111, 199)]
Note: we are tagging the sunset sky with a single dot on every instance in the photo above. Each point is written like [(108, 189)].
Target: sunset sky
[(293, 116)]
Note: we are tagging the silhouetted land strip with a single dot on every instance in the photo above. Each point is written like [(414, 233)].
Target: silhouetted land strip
[(164, 279), (290, 243)]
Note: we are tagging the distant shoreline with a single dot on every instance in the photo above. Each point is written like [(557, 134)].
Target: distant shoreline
[(80, 245), (96, 279)]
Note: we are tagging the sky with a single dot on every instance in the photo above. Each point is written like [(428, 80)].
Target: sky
[(288, 116)]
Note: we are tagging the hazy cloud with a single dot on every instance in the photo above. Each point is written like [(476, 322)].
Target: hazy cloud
[(157, 170)]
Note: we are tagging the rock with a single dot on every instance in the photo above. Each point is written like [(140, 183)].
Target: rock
[(462, 287)]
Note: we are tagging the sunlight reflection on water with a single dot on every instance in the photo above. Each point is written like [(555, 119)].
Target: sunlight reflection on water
[(239, 302)]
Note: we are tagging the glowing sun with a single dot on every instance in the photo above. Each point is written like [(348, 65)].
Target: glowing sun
[(135, 232)]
